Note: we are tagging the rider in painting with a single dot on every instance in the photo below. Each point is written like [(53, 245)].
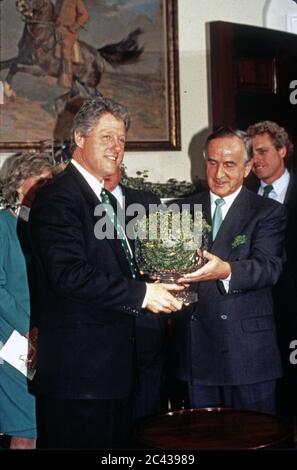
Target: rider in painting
[(70, 16)]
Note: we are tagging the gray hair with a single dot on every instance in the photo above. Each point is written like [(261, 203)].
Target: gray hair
[(229, 132), (92, 110), (17, 168), (278, 134)]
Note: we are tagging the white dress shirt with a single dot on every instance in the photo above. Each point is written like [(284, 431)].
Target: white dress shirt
[(228, 203), (97, 186), (118, 194), (280, 186)]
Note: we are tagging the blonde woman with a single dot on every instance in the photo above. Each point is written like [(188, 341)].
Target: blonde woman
[(21, 176)]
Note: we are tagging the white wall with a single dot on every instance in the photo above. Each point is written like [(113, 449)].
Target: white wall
[(193, 14), (276, 13)]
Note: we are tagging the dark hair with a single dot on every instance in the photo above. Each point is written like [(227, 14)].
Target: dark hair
[(92, 110), (229, 132), (278, 134)]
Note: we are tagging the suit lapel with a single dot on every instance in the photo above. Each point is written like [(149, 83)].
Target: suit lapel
[(204, 200), (232, 225), (89, 195), (291, 191), (92, 201)]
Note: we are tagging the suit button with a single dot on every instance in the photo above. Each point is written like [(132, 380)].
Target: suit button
[(194, 317), (131, 339), (224, 317)]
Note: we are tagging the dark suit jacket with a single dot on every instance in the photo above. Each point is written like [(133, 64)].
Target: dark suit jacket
[(150, 328), (230, 338), (87, 299), (285, 291)]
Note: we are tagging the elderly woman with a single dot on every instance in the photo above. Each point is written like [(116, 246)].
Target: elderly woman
[(21, 176)]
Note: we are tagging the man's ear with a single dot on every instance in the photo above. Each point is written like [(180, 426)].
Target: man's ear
[(282, 151), (248, 167), (79, 139)]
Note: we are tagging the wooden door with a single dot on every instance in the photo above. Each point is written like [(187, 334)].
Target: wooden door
[(253, 76)]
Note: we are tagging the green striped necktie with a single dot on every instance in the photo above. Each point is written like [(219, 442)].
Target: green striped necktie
[(107, 202)]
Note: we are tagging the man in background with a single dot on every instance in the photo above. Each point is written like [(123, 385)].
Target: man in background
[(150, 330), (272, 148)]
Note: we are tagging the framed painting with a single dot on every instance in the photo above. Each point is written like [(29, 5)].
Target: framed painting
[(147, 83)]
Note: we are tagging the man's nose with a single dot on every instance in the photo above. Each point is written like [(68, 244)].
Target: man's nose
[(115, 143), (220, 171), (256, 157)]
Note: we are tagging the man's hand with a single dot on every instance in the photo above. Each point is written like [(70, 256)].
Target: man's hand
[(215, 269), (32, 337), (159, 300)]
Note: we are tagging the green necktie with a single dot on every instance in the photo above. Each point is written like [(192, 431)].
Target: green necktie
[(217, 217), (107, 202), (267, 189)]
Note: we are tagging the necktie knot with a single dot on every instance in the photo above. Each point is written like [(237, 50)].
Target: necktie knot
[(104, 196), (220, 202), (267, 189), (217, 217)]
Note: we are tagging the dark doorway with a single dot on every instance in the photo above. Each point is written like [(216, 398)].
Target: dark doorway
[(251, 71)]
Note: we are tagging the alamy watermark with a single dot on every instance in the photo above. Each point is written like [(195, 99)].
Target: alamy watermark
[(293, 94), (170, 223), (293, 354)]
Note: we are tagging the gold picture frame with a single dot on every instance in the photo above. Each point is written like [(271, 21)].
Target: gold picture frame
[(148, 87)]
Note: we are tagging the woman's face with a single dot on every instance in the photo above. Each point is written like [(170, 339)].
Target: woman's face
[(27, 190)]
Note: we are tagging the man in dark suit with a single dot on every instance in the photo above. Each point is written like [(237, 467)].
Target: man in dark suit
[(89, 294), (226, 347), (272, 147), (150, 329)]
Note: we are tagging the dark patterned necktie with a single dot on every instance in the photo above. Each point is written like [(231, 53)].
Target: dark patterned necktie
[(107, 202), (267, 189)]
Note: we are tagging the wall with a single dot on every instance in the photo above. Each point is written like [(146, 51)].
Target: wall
[(276, 14), (193, 14)]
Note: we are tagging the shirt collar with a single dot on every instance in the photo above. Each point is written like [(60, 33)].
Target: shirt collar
[(118, 194), (95, 184), (280, 184), (228, 199)]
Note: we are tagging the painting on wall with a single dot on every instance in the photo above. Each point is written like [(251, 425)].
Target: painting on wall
[(36, 109)]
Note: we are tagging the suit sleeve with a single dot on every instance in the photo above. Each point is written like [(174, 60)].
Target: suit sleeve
[(56, 228), (263, 266)]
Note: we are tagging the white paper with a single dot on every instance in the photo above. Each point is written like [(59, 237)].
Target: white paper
[(15, 352)]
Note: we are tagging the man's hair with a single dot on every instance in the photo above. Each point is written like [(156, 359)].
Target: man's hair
[(278, 134), (92, 110), (229, 132), (17, 168)]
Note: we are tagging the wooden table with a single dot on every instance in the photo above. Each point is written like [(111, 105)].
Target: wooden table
[(213, 428)]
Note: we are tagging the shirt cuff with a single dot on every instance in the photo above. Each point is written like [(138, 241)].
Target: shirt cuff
[(226, 282), (145, 297)]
